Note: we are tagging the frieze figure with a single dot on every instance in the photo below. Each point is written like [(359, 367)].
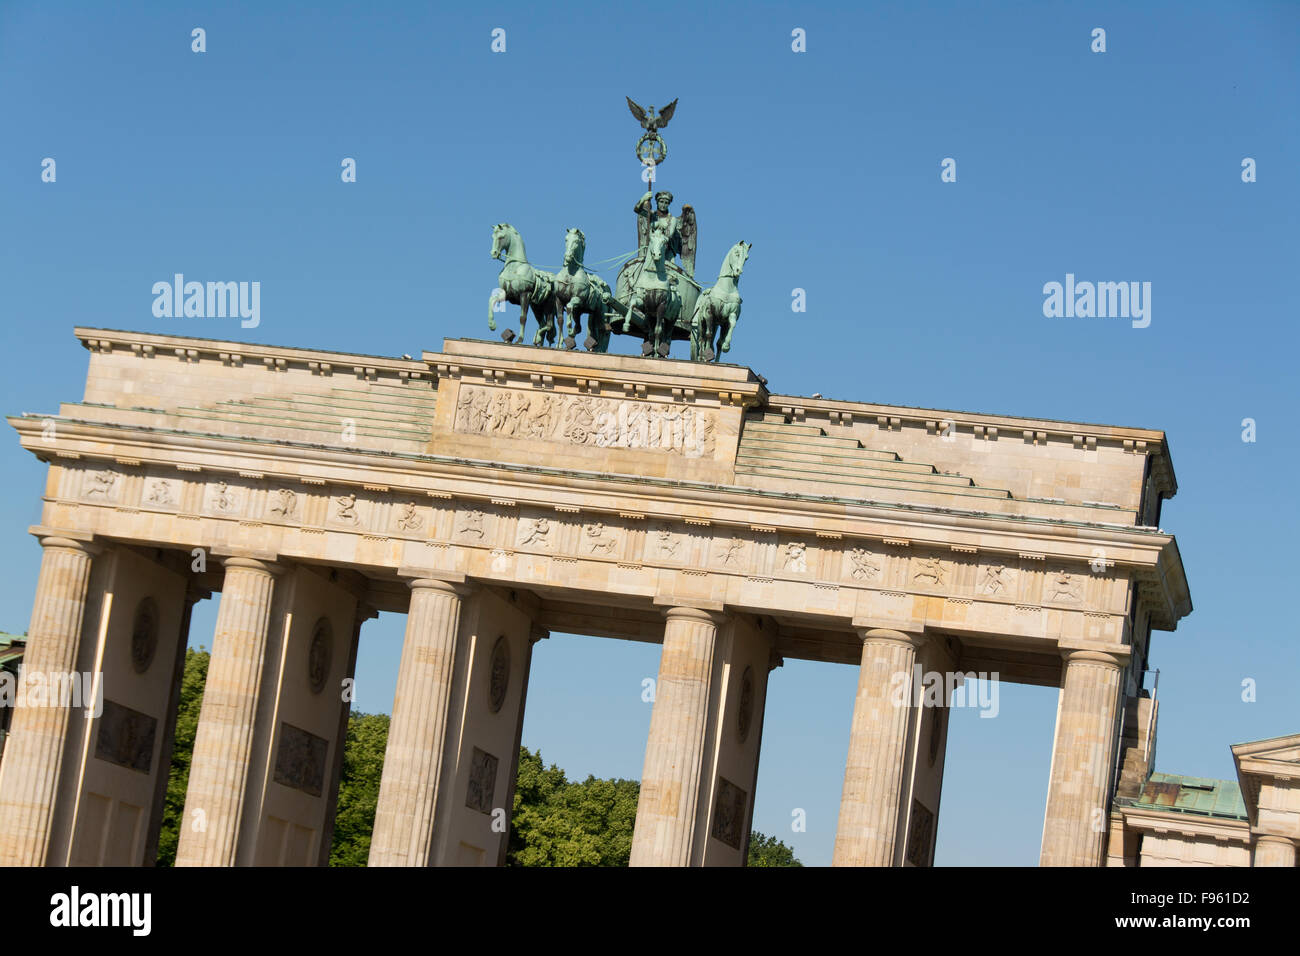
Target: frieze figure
[(101, 483), (471, 522), (995, 579), (931, 568), (731, 553), (285, 503), (160, 492), (796, 556), (865, 565), (347, 509), (598, 541), (1062, 587), (224, 499), (409, 519), (539, 533)]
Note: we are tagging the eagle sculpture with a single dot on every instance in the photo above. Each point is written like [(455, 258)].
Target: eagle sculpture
[(651, 121)]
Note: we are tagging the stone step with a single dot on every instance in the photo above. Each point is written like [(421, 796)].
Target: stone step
[(327, 427), (963, 499), (390, 394), (351, 410), (317, 416), (788, 428), (800, 433), (823, 449), (865, 469), (931, 486)]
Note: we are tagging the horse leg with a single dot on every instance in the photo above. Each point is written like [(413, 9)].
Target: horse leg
[(663, 341), (732, 319), (523, 316), (572, 323)]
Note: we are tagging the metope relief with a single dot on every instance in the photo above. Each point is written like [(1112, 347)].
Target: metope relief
[(666, 544), (283, 504), (996, 579), (343, 510), (864, 565), (585, 420), (469, 525), (795, 557), (597, 539), (408, 517), (930, 571), (536, 533), (220, 498), (160, 493), (1062, 587), (101, 485), (730, 553)]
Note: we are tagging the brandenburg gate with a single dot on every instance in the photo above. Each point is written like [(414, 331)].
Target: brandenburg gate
[(498, 492)]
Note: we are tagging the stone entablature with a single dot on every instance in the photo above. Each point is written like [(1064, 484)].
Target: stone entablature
[(837, 570)]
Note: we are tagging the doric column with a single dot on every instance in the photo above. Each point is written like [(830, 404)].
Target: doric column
[(223, 745), (1074, 830), (873, 775), (413, 761), (674, 754), (29, 781), (1273, 850)]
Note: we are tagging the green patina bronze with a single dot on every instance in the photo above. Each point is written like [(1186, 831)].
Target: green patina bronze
[(655, 296)]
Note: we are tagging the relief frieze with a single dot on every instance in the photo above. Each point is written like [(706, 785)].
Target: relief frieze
[(585, 420)]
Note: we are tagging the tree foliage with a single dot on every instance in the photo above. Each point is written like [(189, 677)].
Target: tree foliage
[(178, 776), (363, 764), (557, 822), (767, 850)]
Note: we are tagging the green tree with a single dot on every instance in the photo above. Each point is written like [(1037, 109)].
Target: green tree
[(769, 851), (363, 765), (178, 776), (558, 822)]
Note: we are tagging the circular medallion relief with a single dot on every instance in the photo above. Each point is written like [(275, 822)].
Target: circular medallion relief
[(500, 675), (318, 655), (745, 716), (144, 635)]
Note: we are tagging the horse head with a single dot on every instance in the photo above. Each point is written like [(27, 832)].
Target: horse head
[(656, 247), (575, 247), (505, 241), (734, 264)]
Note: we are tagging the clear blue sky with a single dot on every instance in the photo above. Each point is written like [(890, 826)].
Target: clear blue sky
[(1123, 165)]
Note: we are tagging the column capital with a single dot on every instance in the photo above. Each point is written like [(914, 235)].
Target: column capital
[(884, 634), (252, 564), (67, 540), (460, 589), (1106, 658), (537, 633), (694, 614), (1274, 838)]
